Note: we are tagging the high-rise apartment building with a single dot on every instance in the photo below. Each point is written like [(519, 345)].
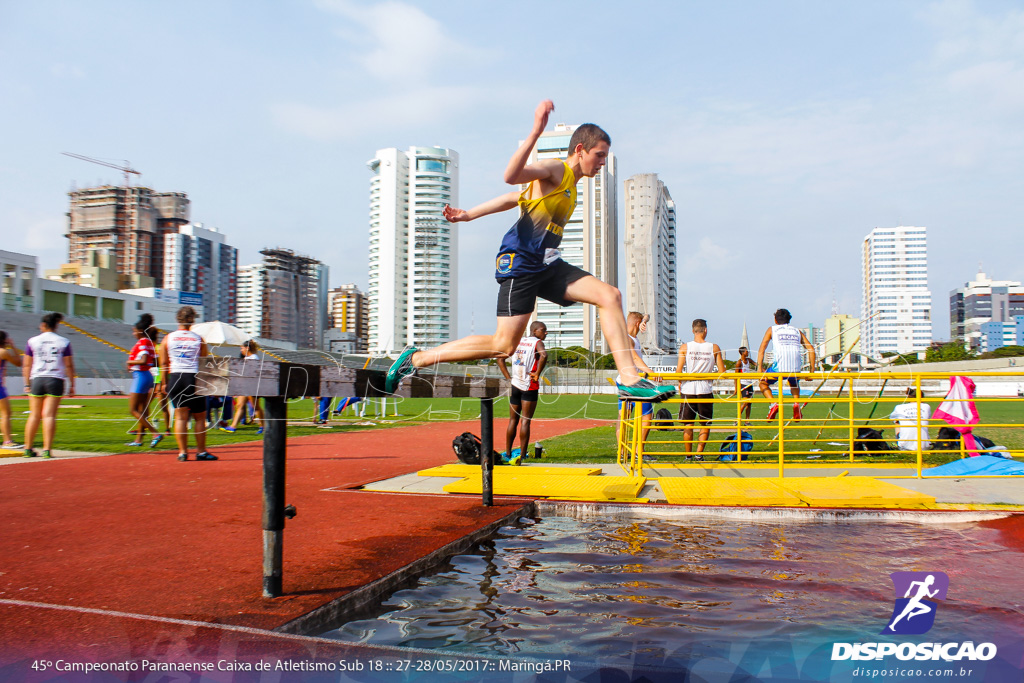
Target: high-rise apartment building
[(980, 301), (249, 304), (128, 224), (896, 304), (197, 259), (349, 313), (413, 292), (284, 298), (590, 240), (650, 242)]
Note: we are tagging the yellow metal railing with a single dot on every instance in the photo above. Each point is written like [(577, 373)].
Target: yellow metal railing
[(834, 406)]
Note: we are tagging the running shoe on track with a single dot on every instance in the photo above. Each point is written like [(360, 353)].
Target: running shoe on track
[(399, 370), (205, 456), (29, 453), (156, 439)]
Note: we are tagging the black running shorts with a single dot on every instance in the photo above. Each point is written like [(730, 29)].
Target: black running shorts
[(517, 396), (46, 386), (181, 390), (518, 295), (691, 409)]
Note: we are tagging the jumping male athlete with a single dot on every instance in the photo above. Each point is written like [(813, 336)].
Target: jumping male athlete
[(529, 263)]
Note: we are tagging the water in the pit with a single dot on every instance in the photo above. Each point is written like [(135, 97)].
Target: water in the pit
[(702, 587)]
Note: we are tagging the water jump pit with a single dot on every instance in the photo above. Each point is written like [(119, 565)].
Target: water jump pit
[(712, 593), (821, 486)]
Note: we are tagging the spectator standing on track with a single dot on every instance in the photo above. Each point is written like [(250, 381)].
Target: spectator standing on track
[(141, 358), (8, 354), (179, 364), (45, 377)]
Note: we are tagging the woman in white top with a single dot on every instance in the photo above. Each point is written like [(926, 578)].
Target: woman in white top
[(52, 366), (179, 364), (8, 354)]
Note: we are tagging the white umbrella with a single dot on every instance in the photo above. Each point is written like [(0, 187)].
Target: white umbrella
[(216, 332)]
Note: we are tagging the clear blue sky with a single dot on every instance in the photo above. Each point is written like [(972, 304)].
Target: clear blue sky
[(784, 130)]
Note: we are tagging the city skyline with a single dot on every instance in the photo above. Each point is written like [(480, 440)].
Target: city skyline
[(781, 129)]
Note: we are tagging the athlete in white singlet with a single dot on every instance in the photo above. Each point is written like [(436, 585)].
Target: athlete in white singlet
[(52, 366), (787, 344), (179, 364), (527, 363), (698, 356)]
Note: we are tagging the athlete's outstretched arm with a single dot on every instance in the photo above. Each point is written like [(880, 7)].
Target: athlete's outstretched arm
[(518, 172), (505, 202)]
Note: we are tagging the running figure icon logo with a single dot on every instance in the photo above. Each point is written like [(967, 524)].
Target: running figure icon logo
[(916, 595)]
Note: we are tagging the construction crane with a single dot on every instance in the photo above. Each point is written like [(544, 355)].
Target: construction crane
[(126, 169)]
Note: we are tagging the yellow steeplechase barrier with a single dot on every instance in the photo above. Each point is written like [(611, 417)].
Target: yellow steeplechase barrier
[(835, 413), (462, 470), (565, 487)]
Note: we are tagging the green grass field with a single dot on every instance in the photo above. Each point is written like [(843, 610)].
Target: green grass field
[(101, 425)]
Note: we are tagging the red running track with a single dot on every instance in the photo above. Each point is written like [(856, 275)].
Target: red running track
[(113, 557)]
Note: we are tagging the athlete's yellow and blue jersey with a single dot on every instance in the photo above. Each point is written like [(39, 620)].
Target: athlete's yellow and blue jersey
[(532, 243)]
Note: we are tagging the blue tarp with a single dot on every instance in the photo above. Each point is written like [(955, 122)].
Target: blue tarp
[(982, 464)]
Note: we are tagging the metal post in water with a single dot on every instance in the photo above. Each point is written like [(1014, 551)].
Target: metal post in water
[(487, 449), (274, 434)]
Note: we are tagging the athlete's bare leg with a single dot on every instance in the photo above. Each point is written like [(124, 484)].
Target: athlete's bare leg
[(501, 344), (608, 299)]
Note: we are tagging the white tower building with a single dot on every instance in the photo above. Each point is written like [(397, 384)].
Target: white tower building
[(249, 311), (413, 288), (896, 304), (650, 242), (590, 240)]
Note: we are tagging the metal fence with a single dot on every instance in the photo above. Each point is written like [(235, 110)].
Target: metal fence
[(833, 412)]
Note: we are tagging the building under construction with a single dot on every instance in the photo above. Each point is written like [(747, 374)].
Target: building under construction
[(128, 224)]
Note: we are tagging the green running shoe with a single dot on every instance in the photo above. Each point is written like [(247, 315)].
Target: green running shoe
[(642, 390), (399, 370)]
